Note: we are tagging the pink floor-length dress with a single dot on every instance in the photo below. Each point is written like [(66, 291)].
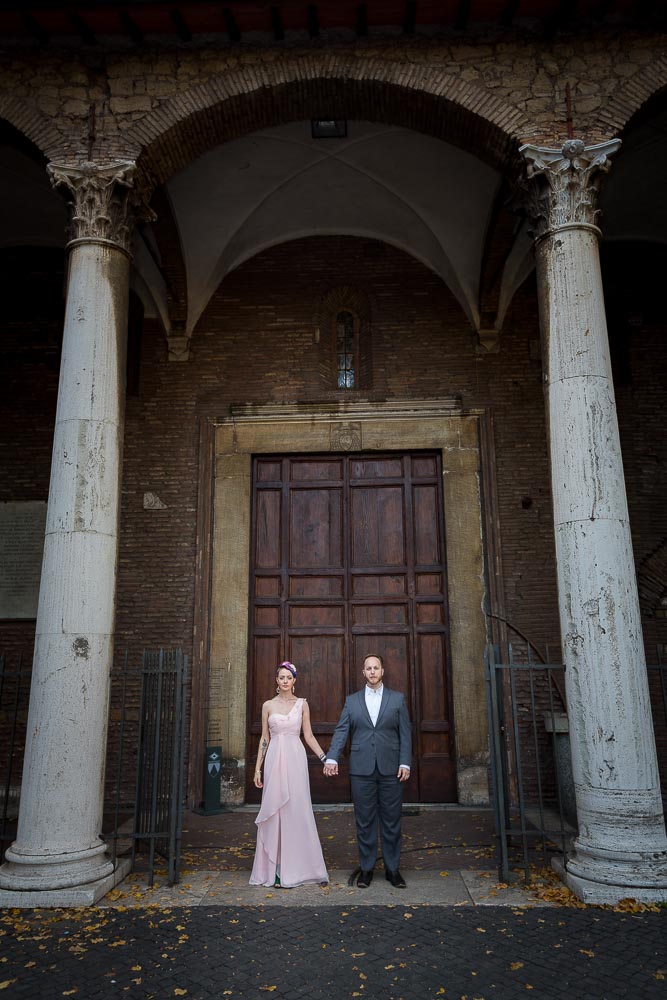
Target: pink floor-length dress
[(287, 838)]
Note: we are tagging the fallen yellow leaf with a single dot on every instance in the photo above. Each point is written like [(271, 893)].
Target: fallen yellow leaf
[(516, 965)]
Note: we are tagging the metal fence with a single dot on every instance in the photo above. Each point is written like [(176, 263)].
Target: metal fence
[(531, 767), (530, 758), (14, 697), (157, 756), (145, 762)]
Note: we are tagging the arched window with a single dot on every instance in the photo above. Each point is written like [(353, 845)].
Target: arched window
[(347, 349), (343, 319)]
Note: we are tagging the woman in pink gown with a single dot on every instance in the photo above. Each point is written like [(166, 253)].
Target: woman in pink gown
[(288, 849)]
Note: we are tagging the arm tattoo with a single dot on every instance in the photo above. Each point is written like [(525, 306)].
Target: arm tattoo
[(262, 751)]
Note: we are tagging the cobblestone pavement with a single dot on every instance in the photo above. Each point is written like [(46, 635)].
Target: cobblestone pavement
[(391, 952)]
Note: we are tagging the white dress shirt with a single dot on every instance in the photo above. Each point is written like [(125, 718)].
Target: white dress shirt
[(373, 702)]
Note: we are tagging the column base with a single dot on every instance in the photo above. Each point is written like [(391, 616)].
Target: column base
[(28, 872), (73, 896), (607, 884)]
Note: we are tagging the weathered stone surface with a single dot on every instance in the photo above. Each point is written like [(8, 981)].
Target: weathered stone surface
[(621, 843)]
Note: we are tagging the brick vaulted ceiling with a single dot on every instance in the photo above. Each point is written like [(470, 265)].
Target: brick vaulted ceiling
[(136, 22)]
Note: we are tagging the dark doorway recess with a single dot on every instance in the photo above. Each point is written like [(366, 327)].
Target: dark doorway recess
[(348, 559)]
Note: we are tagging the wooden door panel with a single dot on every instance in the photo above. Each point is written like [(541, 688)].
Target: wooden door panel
[(369, 467), (267, 586), (426, 525), (379, 614), (424, 467), (433, 692), (320, 677), (316, 586), (429, 583), (379, 585), (310, 470), (430, 614), (268, 470), (316, 539), (377, 529), (267, 536), (316, 616), (348, 559), (267, 616)]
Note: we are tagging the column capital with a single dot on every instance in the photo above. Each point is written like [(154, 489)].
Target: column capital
[(565, 183), (105, 200)]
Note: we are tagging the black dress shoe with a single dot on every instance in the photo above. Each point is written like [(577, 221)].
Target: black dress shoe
[(395, 878), (365, 879)]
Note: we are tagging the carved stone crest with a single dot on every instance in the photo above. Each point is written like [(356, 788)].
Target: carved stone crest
[(346, 437)]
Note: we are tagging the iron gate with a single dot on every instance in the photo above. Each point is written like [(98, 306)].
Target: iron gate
[(157, 812), (532, 785), (526, 706), (14, 695)]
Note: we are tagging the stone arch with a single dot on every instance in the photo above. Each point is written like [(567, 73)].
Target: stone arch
[(273, 92), (640, 90), (32, 125)]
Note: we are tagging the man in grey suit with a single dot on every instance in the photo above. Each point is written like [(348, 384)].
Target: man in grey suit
[(377, 722)]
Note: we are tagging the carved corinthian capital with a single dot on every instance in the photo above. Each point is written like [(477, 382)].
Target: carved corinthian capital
[(562, 185), (104, 200)]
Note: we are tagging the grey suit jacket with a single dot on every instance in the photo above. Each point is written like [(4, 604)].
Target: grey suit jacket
[(387, 744)]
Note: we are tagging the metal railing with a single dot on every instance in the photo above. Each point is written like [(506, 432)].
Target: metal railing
[(525, 705), (157, 812), (531, 777), (14, 696)]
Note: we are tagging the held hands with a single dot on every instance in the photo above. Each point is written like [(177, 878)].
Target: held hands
[(331, 770)]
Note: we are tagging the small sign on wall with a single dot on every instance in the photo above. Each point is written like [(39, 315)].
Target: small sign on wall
[(22, 526)]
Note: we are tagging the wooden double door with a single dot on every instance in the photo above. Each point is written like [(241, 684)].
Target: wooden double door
[(348, 559)]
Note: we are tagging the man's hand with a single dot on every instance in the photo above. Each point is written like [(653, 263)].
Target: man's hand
[(403, 773), (331, 770)]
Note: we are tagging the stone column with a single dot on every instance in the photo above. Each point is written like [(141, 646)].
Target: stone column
[(58, 857), (621, 849)]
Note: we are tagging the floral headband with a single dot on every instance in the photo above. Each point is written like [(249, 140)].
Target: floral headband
[(288, 666)]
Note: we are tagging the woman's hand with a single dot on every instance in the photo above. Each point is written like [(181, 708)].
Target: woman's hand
[(258, 780)]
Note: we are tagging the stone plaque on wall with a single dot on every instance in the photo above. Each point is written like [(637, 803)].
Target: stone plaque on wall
[(21, 546)]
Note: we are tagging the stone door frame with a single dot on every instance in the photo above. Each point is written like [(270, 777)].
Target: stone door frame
[(460, 435)]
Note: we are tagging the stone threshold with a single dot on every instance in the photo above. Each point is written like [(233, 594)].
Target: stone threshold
[(231, 888)]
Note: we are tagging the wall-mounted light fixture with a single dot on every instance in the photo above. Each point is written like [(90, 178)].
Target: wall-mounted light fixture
[(321, 129)]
